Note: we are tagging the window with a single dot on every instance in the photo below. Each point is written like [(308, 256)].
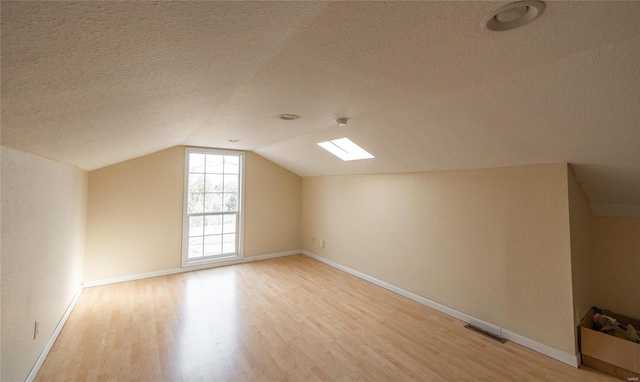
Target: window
[(345, 149), (212, 227)]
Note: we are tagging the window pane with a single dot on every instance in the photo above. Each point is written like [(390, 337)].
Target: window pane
[(213, 202), (196, 226), (228, 243), (213, 225), (231, 164), (196, 163), (214, 182), (213, 192), (229, 223), (230, 202), (231, 183), (195, 247), (196, 183), (195, 203), (214, 164), (212, 245)]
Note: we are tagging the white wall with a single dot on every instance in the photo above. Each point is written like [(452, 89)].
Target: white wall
[(43, 229), (492, 243)]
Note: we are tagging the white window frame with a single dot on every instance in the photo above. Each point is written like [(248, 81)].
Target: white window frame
[(186, 262)]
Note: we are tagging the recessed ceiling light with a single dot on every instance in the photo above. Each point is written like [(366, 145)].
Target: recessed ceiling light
[(288, 117), (342, 121), (232, 140), (513, 15), (345, 149)]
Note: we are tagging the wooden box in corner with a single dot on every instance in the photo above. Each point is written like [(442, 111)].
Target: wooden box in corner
[(609, 354)]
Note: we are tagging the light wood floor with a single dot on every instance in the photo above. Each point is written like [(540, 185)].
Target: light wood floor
[(291, 318)]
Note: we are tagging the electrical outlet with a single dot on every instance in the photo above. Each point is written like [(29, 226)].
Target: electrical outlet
[(321, 243), (36, 328)]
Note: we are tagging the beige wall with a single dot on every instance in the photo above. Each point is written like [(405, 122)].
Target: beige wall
[(579, 218), (491, 243), (134, 222), (273, 197), (43, 231), (134, 216), (506, 245), (616, 264)]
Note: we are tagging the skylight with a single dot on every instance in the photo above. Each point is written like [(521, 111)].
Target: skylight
[(345, 149)]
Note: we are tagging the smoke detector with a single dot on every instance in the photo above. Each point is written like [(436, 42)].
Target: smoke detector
[(513, 15)]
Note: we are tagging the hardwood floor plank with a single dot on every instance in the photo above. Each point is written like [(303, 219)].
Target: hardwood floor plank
[(285, 319)]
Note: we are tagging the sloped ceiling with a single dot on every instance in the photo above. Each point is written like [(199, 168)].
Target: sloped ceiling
[(424, 86)]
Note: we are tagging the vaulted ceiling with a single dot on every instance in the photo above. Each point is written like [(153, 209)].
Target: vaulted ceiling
[(424, 86)]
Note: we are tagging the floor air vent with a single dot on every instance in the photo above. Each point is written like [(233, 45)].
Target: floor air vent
[(486, 333)]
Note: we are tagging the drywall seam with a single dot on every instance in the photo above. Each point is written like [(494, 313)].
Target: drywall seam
[(146, 275), (569, 359), (45, 352)]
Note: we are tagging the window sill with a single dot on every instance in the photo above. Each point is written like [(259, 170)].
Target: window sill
[(216, 260)]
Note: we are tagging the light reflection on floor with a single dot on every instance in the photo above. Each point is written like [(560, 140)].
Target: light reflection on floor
[(208, 328)]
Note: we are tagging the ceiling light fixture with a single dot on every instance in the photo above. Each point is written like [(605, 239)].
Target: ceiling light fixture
[(288, 117), (342, 121), (345, 149), (233, 140), (513, 15)]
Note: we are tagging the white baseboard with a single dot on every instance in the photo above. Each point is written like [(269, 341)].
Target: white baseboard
[(569, 359), (45, 352), (139, 276)]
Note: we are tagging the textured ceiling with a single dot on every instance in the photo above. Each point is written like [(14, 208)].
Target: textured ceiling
[(424, 86)]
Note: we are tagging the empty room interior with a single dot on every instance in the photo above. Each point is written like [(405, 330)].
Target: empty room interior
[(238, 191)]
